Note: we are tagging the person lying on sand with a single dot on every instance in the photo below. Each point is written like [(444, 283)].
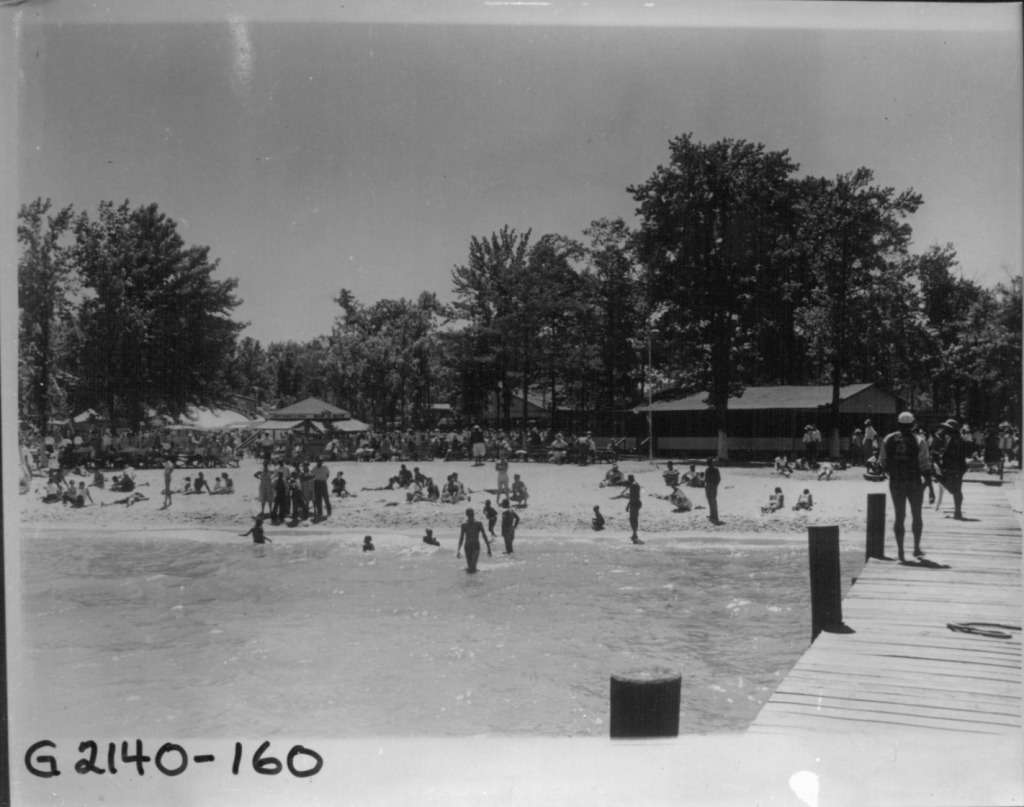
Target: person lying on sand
[(775, 502), (825, 471), (805, 501), (614, 478), (128, 501), (597, 522)]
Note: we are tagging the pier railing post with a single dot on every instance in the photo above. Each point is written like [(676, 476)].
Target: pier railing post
[(875, 545), (645, 703), (826, 584)]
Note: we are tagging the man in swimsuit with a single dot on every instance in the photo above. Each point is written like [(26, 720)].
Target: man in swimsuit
[(633, 507), (470, 534)]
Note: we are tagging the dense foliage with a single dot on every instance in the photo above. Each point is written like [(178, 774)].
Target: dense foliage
[(738, 273)]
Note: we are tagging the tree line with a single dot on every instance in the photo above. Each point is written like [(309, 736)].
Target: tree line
[(738, 272)]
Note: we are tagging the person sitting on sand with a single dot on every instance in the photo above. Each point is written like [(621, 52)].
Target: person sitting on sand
[(257, 532), (187, 487), (79, 495), (52, 492), (805, 501), (825, 471), (519, 493), (430, 539), (201, 484), (404, 477), (558, 449), (873, 471), (217, 486), (782, 466), (125, 483), (671, 475), (693, 478), (492, 517), (99, 480), (368, 544), (678, 498), (453, 492), (418, 478), (128, 501), (433, 491), (775, 502), (614, 478), (597, 522)]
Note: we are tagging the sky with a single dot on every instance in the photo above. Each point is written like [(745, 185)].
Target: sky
[(363, 148)]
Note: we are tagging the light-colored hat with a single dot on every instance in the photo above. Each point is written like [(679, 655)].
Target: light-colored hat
[(952, 424), (905, 417)]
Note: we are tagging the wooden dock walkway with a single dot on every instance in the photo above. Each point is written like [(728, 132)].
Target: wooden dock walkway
[(902, 667)]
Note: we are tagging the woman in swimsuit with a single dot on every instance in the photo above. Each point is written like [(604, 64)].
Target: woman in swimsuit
[(471, 533)]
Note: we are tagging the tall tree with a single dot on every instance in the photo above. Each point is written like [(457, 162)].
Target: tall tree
[(708, 222), (46, 280), (156, 326), (854, 236)]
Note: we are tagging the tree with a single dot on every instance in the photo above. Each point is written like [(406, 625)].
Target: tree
[(854, 237), (46, 279), (156, 326), (708, 223)]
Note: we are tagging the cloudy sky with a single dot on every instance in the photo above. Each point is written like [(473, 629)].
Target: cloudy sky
[(362, 148)]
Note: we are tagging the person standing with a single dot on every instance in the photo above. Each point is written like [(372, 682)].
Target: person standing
[(905, 457), (476, 440), (470, 534), (267, 444), (168, 470), (808, 437), (501, 466), (266, 490), (321, 496), (870, 436), (712, 479), (633, 507), (279, 510), (953, 461), (509, 522)]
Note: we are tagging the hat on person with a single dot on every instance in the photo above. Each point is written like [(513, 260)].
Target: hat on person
[(952, 425), (905, 417)]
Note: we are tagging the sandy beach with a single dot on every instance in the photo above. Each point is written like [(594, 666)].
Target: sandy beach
[(561, 502)]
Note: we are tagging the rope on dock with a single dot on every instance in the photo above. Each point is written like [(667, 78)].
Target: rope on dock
[(978, 628)]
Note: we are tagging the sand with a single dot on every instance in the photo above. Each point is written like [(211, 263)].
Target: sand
[(561, 502)]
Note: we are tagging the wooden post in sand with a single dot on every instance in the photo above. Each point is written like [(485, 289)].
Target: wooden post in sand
[(645, 703), (826, 585), (875, 545)]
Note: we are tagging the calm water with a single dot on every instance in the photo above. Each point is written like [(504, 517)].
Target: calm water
[(311, 636)]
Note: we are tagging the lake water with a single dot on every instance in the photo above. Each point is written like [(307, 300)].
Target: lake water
[(205, 635)]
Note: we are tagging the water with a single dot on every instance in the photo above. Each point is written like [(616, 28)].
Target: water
[(214, 637)]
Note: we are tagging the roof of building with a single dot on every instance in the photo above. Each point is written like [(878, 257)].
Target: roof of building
[(310, 409), (780, 397)]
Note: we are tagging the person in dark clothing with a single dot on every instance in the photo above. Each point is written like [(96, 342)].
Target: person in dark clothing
[(470, 534), (492, 517), (257, 533), (712, 479), (633, 507), (321, 498), (953, 461), (598, 521), (904, 456), (509, 522), (279, 510)]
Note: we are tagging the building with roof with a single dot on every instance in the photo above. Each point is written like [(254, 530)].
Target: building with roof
[(769, 420)]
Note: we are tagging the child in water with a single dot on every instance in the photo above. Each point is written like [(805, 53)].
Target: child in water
[(492, 517), (430, 539), (598, 520), (804, 502), (368, 544), (257, 533), (775, 502)]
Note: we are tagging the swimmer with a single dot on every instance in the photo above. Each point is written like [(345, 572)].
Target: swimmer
[(257, 532), (492, 517), (775, 502), (470, 534), (509, 522), (598, 521), (430, 539), (368, 544), (805, 501)]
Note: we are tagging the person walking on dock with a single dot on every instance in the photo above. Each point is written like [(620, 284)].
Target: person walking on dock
[(953, 462), (905, 458)]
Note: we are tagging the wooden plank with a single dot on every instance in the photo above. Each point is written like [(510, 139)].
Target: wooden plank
[(903, 706)]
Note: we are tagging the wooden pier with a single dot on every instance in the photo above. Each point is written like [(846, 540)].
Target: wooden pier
[(901, 667)]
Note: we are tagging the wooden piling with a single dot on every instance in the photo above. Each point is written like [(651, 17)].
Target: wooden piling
[(826, 584), (875, 545), (645, 703)]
